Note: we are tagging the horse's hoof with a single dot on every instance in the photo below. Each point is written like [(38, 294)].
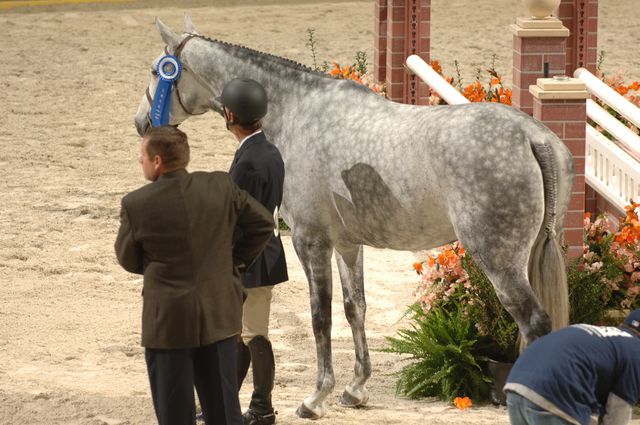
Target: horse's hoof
[(305, 413), (351, 398)]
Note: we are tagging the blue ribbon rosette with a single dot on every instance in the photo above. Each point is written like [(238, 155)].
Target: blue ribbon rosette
[(169, 68)]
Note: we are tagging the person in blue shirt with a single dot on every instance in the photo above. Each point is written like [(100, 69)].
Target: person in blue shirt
[(569, 375)]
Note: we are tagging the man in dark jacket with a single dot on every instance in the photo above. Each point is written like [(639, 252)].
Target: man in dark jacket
[(178, 233), (568, 375), (257, 168)]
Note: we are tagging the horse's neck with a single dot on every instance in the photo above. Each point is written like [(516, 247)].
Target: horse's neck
[(220, 62), (286, 82)]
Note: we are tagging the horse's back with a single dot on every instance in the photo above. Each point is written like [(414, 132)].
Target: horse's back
[(404, 176)]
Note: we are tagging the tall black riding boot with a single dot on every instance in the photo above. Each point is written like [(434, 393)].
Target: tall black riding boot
[(260, 410)]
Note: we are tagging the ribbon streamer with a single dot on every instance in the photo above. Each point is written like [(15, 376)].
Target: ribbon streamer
[(169, 68)]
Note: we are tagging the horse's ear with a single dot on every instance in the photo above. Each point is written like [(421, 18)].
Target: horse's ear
[(170, 38), (189, 28)]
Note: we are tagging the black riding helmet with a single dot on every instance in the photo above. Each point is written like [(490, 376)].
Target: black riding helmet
[(245, 97)]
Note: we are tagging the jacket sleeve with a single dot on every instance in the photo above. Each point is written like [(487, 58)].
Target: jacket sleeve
[(256, 227), (128, 250)]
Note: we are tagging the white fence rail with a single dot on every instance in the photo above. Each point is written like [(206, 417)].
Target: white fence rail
[(612, 166), (435, 81), (610, 171)]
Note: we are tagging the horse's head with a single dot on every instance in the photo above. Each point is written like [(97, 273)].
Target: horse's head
[(190, 93)]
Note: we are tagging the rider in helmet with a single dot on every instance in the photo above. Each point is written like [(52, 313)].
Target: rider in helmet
[(243, 102), (257, 168)]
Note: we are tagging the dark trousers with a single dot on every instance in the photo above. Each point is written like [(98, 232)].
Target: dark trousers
[(212, 369)]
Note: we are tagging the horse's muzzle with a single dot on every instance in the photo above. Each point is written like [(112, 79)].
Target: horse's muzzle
[(142, 125)]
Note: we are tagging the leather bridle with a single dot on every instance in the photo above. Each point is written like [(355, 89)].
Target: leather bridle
[(176, 53)]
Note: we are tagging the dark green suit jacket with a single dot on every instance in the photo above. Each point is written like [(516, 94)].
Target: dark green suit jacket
[(178, 233)]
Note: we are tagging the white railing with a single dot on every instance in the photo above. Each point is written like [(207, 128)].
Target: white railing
[(612, 165)]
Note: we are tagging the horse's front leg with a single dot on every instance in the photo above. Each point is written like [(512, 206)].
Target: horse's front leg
[(349, 259), (315, 255)]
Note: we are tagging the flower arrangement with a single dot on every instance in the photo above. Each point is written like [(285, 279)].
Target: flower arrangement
[(493, 91), (458, 323), (614, 257), (452, 278), (631, 91), (443, 277), (357, 71)]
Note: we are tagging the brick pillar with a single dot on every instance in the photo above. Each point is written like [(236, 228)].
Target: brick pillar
[(561, 106), (590, 200), (408, 26), (581, 17), (380, 46), (536, 42)]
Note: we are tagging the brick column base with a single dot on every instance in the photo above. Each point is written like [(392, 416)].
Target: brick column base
[(561, 106)]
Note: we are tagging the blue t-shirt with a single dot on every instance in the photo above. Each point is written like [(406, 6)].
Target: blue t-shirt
[(576, 368)]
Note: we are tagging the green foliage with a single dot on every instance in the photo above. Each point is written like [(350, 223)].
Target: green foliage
[(612, 266), (588, 295), (444, 350), (361, 62), (458, 323), (312, 44), (282, 225), (458, 79), (494, 323)]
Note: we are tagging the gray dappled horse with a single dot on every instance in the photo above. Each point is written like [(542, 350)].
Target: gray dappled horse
[(364, 170)]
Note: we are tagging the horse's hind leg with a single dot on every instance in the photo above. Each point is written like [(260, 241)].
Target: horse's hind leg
[(515, 294), (314, 253), (349, 259), (505, 261)]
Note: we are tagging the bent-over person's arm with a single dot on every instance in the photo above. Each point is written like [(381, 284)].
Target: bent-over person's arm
[(128, 250)]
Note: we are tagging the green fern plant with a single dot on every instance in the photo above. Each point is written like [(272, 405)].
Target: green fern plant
[(444, 360), (498, 329), (588, 295)]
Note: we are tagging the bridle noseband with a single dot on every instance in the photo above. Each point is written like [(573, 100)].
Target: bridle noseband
[(177, 52)]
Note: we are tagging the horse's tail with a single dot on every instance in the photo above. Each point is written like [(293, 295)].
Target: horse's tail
[(547, 270)]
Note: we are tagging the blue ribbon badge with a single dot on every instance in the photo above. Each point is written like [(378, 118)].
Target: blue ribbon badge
[(169, 68)]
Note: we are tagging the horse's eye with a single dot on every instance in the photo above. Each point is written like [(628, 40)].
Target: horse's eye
[(154, 72)]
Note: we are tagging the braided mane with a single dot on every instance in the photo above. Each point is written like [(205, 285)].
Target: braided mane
[(289, 63)]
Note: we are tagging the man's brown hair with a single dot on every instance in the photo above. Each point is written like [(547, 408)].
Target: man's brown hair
[(170, 144), (252, 127)]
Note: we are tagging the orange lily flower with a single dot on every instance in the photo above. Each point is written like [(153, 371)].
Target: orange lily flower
[(417, 267), (462, 402)]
